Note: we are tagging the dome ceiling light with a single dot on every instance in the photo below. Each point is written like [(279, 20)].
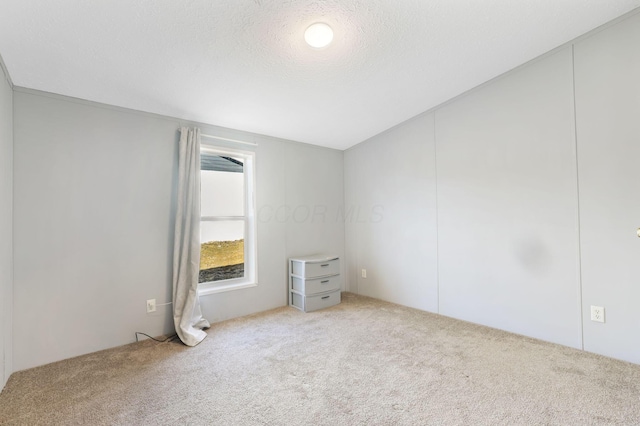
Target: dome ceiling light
[(318, 35)]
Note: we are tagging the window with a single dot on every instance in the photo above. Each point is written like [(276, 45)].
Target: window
[(227, 220)]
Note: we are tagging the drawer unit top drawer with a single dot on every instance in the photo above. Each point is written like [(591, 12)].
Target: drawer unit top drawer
[(315, 285), (315, 267)]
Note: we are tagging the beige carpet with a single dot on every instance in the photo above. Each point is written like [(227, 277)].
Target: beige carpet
[(363, 362)]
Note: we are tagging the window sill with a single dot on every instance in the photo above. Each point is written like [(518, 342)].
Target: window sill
[(206, 289)]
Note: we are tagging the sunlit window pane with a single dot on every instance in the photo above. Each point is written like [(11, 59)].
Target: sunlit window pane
[(221, 193), (222, 250)]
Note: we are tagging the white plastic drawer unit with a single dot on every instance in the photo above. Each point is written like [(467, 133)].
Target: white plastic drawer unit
[(314, 282)]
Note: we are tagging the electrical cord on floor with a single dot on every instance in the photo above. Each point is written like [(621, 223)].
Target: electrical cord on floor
[(173, 336)]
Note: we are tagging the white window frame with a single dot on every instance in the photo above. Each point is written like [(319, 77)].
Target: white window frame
[(250, 278)]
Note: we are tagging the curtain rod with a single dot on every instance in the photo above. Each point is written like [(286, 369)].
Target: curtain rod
[(228, 140)]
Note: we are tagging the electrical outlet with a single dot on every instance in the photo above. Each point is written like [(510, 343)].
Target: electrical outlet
[(151, 305), (364, 273), (597, 313)]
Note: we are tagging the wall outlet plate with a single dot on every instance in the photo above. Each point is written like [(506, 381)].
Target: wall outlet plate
[(151, 305), (597, 313), (364, 273)]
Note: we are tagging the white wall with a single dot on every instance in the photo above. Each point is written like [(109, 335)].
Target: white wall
[(509, 238), (314, 199), (507, 200), (608, 118), (6, 226), (93, 225), (391, 229)]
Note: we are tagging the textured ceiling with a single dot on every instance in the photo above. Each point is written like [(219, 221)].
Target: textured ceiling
[(243, 64)]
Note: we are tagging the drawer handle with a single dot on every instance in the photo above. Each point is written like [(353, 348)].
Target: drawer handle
[(324, 282), (325, 265), (325, 297)]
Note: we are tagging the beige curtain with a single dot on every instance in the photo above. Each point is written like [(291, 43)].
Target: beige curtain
[(187, 315)]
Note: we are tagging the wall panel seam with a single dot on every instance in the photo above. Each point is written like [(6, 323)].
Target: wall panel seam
[(577, 175)]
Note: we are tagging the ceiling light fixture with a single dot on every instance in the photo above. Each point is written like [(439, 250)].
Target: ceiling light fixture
[(318, 35)]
